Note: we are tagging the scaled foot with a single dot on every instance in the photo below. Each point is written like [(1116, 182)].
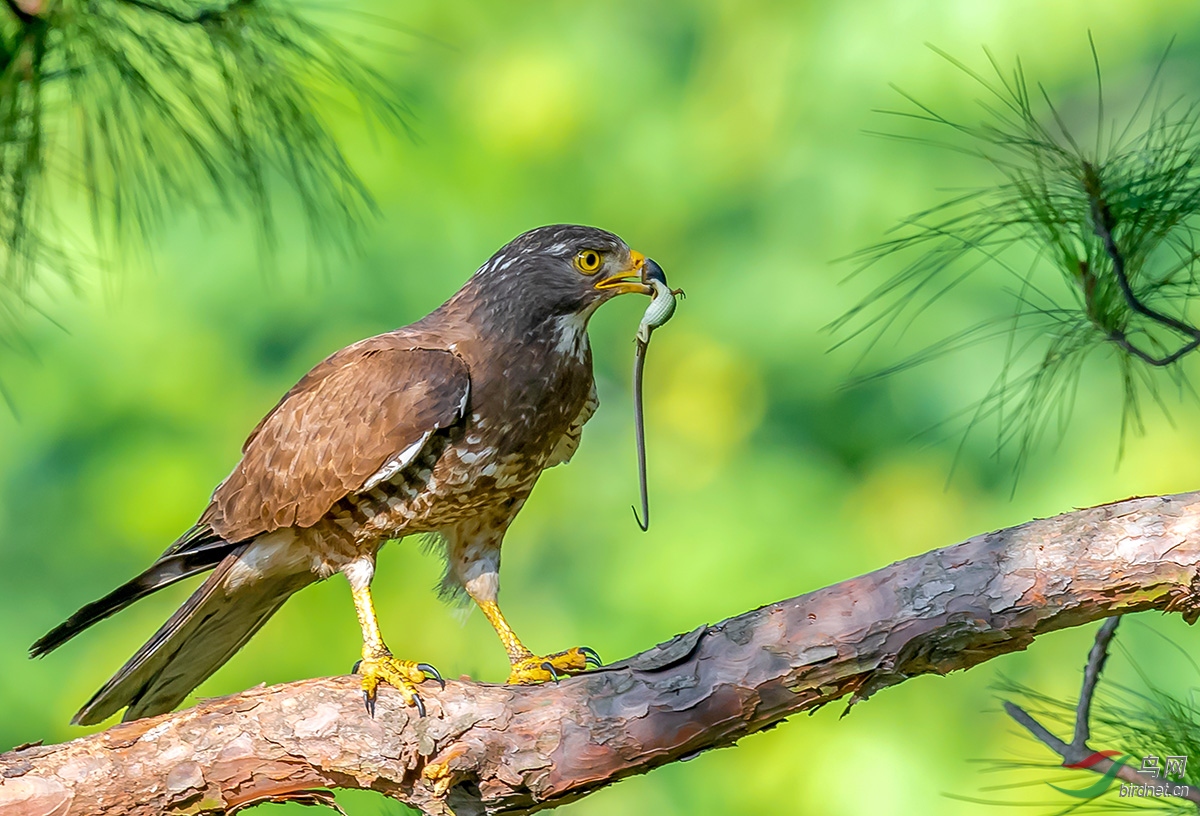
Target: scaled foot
[(540, 668), (402, 675)]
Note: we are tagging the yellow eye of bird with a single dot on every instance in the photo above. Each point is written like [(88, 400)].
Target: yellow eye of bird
[(588, 261)]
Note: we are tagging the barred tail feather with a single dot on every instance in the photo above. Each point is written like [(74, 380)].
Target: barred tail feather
[(199, 550), (241, 594)]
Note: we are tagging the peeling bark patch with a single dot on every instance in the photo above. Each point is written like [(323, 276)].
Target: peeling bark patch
[(665, 654), (34, 796), (815, 654), (321, 723), (185, 776)]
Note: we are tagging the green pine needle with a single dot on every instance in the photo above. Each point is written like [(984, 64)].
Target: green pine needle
[(152, 109), (1099, 238)]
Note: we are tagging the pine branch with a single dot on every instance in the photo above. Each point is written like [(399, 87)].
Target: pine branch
[(496, 749), (1098, 234), (1078, 752), (1075, 752), (1142, 722)]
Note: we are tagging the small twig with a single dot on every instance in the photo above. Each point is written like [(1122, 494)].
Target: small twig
[(1041, 733), (1077, 749), (1102, 226), (1121, 340), (1091, 674)]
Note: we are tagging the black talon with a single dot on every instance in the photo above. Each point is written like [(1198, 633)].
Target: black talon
[(357, 663), (420, 705), (548, 666), (590, 657), (369, 699), (430, 670)]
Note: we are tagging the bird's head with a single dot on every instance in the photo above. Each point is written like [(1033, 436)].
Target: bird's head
[(562, 269)]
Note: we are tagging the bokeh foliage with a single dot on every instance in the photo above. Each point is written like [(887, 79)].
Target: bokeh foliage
[(725, 140)]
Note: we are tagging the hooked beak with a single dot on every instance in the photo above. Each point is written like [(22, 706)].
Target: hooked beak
[(629, 281)]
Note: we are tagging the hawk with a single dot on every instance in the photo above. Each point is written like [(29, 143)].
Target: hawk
[(441, 427)]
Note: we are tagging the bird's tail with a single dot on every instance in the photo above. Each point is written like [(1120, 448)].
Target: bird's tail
[(197, 551), (249, 583)]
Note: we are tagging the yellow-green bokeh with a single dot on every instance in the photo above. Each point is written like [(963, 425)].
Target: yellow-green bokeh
[(727, 141)]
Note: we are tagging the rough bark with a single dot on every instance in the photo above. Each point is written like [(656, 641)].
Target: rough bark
[(498, 749)]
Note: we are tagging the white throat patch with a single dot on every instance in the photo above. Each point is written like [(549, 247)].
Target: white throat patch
[(571, 336)]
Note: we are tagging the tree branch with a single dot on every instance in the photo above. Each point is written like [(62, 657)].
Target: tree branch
[(499, 749)]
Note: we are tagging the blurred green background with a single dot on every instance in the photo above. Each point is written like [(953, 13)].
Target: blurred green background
[(726, 140)]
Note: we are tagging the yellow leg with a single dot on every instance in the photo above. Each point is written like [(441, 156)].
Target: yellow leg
[(527, 667), (512, 644), (377, 663)]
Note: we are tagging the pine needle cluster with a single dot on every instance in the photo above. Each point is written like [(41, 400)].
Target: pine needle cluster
[(1098, 235), (156, 107)]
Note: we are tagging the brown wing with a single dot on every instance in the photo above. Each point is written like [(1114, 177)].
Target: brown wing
[(345, 420)]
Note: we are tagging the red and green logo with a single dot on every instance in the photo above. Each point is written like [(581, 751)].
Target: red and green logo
[(1104, 782)]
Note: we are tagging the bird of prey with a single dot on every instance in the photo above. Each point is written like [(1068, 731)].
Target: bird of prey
[(440, 427)]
